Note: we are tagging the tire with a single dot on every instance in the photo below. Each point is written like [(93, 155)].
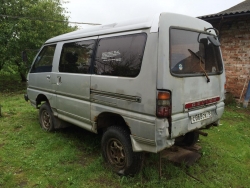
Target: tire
[(46, 117), (188, 139), (117, 152), (191, 138)]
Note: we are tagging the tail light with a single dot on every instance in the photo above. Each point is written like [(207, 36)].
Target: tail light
[(163, 106)]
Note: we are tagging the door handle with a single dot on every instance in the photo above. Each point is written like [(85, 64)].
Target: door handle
[(59, 80), (48, 77)]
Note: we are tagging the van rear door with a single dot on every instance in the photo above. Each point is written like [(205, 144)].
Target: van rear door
[(191, 68)]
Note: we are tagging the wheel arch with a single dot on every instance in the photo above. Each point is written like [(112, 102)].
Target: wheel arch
[(107, 119), (41, 98)]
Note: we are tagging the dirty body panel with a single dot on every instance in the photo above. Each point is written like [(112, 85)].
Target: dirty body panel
[(131, 97)]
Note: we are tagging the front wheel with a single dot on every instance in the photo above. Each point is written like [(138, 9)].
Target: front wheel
[(46, 117), (117, 151)]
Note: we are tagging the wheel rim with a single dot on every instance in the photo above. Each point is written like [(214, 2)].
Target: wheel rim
[(115, 153), (46, 119)]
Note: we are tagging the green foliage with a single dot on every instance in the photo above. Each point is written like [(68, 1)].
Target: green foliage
[(25, 28), (10, 83)]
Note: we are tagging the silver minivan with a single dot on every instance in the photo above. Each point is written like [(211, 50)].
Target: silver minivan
[(145, 84)]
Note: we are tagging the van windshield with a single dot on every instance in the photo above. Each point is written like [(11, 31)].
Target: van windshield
[(188, 57)]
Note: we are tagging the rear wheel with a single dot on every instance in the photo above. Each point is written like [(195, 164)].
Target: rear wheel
[(117, 151), (46, 117), (188, 139), (191, 138)]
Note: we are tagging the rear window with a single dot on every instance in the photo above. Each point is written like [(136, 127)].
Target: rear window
[(188, 57)]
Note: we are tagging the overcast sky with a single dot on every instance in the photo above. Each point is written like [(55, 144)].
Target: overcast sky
[(110, 11)]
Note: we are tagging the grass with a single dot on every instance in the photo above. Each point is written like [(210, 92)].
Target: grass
[(71, 157)]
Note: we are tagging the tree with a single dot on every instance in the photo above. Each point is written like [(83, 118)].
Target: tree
[(26, 25)]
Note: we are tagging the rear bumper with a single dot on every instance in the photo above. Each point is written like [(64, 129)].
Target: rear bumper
[(181, 123), (26, 97)]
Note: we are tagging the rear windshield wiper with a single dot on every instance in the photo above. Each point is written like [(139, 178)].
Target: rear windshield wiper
[(198, 57)]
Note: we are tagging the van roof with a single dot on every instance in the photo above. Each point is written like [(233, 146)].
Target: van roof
[(135, 24), (139, 23)]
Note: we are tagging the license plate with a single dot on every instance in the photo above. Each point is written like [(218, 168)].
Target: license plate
[(201, 116)]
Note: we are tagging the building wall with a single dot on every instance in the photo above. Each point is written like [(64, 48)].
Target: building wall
[(235, 46)]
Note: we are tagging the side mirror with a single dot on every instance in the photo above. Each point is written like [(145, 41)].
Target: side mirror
[(24, 56), (214, 40)]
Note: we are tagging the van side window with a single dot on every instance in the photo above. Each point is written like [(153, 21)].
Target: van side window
[(120, 56), (76, 57), (44, 60)]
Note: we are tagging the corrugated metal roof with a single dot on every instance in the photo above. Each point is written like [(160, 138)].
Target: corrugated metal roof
[(240, 8)]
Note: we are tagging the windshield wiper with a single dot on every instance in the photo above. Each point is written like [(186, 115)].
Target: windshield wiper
[(198, 57)]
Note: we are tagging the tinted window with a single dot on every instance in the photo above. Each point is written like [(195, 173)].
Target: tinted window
[(188, 56), (76, 57), (120, 56), (44, 60)]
